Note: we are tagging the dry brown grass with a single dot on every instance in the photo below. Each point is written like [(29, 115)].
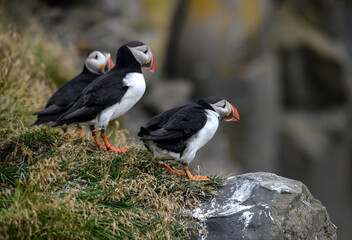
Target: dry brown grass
[(58, 187), (30, 69)]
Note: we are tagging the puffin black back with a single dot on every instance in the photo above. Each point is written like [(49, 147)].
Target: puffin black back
[(126, 61)]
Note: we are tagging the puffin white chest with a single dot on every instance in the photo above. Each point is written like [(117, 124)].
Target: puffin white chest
[(203, 136), (136, 88)]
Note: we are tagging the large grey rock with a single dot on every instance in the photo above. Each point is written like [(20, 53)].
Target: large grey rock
[(264, 206)]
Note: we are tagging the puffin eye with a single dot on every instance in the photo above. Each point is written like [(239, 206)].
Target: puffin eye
[(145, 52), (224, 105), (96, 56)]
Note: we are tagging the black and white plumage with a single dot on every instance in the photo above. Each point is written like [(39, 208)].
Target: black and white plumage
[(96, 64), (179, 133), (113, 94)]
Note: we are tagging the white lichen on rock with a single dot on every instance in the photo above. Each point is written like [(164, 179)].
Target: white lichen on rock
[(263, 206)]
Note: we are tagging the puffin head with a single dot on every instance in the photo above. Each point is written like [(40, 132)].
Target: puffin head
[(225, 110), (99, 62), (142, 54)]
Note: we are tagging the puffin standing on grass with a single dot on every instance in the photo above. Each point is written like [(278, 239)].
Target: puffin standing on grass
[(97, 63), (179, 133), (113, 94)]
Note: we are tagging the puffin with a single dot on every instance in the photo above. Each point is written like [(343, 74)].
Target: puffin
[(112, 94), (96, 64), (177, 134)]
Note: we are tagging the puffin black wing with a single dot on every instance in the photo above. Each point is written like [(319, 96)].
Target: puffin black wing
[(158, 121), (59, 102), (102, 93), (171, 129)]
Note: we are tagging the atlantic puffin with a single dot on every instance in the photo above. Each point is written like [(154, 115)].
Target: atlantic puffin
[(96, 64), (113, 94), (180, 132)]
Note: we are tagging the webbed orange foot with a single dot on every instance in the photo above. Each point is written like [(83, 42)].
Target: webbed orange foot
[(194, 177)]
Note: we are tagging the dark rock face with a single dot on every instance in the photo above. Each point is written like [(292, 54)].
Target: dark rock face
[(264, 206)]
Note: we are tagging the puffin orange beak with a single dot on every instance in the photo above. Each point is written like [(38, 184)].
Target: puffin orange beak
[(233, 116), (150, 66), (110, 64)]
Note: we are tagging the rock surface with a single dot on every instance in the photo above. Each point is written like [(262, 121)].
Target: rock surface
[(264, 206)]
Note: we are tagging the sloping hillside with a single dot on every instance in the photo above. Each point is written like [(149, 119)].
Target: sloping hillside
[(58, 186)]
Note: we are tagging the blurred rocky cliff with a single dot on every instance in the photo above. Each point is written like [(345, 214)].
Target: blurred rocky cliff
[(285, 65)]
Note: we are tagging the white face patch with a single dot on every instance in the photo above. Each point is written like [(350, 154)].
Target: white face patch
[(223, 108), (142, 54), (96, 62)]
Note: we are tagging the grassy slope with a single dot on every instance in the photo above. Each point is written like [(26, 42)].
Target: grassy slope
[(54, 186)]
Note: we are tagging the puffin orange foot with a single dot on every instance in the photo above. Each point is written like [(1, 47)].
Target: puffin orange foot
[(122, 149), (115, 149), (200, 178), (97, 141), (101, 146), (194, 177), (108, 146), (179, 172), (80, 131)]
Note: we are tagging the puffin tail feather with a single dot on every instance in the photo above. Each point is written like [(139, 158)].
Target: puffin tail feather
[(45, 118), (143, 132), (52, 109), (80, 115)]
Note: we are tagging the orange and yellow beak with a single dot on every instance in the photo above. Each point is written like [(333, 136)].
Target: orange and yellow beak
[(233, 115), (110, 64), (150, 66)]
